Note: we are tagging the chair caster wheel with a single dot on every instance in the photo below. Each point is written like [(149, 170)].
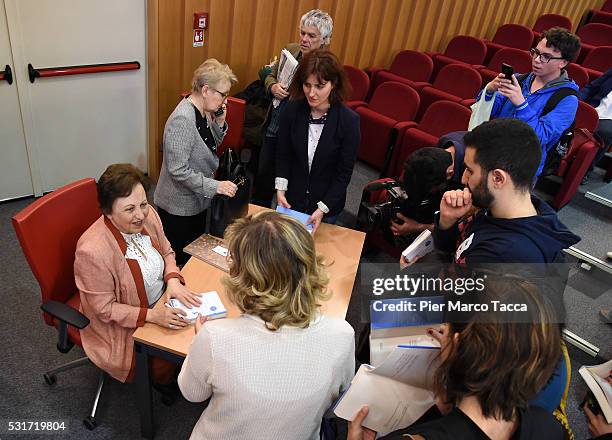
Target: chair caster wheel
[(90, 423), (50, 378)]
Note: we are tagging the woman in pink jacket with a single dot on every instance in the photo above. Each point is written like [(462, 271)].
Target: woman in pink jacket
[(124, 264)]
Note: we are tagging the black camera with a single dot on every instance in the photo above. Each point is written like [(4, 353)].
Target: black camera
[(372, 216)]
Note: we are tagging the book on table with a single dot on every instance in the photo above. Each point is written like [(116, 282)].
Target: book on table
[(599, 380), (397, 392), (299, 216), (211, 307), (209, 249)]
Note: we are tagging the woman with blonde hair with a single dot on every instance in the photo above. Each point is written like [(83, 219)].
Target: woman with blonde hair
[(272, 372), (192, 134)]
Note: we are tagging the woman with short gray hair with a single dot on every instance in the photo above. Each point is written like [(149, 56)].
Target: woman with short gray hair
[(192, 134)]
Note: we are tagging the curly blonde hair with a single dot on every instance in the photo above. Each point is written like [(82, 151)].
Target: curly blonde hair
[(211, 72), (275, 272)]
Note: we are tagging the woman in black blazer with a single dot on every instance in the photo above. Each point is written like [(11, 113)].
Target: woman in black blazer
[(317, 141)]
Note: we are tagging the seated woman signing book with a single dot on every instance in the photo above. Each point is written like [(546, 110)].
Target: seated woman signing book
[(272, 372), (492, 364)]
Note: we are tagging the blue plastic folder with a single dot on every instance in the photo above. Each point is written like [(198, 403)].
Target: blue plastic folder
[(300, 216)]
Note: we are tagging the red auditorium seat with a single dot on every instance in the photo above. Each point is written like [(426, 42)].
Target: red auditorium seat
[(548, 21), (598, 61), (440, 118), (392, 103), (591, 36), (360, 83), (408, 67), (517, 58), (455, 82), (601, 17), (581, 154), (578, 73), (607, 6), (509, 35), (461, 49)]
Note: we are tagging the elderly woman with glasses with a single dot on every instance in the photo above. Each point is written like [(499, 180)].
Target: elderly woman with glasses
[(192, 134)]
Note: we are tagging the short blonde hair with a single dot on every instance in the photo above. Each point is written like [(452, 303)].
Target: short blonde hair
[(275, 272), (211, 72)]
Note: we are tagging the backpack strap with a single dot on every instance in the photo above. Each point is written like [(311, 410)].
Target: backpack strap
[(556, 97)]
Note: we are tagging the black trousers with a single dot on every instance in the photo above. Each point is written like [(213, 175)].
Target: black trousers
[(266, 173), (182, 230)]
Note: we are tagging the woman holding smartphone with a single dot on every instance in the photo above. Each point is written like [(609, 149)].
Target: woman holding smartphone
[(192, 134)]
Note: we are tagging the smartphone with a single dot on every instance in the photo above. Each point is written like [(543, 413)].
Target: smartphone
[(592, 403), (219, 111), (507, 70)]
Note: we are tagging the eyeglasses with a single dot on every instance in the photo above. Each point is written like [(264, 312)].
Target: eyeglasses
[(544, 57), (223, 95)]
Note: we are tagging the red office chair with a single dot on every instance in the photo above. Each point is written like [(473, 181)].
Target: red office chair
[(597, 62), (577, 73), (591, 36), (48, 231), (519, 59), (547, 21), (455, 82), (582, 152), (461, 49), (408, 67), (391, 104), (509, 35), (440, 118), (236, 108), (360, 83)]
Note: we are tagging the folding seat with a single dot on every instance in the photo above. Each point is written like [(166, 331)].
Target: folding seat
[(360, 83), (547, 21), (461, 49), (577, 73), (509, 35), (591, 36), (440, 118), (597, 62), (582, 152), (519, 59), (455, 82), (604, 15), (408, 67), (391, 104)]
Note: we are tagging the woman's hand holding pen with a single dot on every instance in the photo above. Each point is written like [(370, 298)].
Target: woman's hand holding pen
[(167, 317)]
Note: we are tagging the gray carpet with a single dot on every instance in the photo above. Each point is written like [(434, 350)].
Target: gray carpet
[(30, 344)]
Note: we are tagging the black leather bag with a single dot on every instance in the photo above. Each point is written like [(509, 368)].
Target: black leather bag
[(224, 209)]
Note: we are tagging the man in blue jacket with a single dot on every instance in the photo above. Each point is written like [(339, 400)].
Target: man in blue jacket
[(598, 95), (526, 100)]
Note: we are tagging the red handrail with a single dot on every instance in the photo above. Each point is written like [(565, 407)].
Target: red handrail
[(80, 70)]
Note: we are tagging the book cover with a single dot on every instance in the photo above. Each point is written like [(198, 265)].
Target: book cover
[(599, 380), (211, 306), (300, 216), (209, 249)]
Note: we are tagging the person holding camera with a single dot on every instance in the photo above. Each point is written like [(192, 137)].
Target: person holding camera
[(192, 134)]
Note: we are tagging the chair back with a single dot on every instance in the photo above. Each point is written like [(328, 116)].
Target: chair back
[(360, 82), (468, 49), (412, 65), (517, 58), (578, 74), (458, 80), (236, 108), (586, 117), (48, 231), (395, 100), (514, 35), (596, 34), (607, 6), (442, 117), (547, 21), (600, 59)]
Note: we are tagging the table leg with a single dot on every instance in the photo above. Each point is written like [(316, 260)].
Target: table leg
[(143, 391)]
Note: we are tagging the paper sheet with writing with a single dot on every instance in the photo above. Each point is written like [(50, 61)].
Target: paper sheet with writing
[(397, 392), (286, 68)]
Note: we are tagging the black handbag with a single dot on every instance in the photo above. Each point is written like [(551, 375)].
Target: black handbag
[(224, 209)]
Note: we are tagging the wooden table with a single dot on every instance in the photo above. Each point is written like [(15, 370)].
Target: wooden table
[(341, 248)]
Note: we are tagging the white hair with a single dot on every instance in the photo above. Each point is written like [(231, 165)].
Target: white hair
[(321, 20)]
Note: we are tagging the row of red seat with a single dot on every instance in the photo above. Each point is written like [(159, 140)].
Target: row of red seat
[(604, 15)]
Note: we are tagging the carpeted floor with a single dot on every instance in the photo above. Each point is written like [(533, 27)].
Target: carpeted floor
[(30, 344)]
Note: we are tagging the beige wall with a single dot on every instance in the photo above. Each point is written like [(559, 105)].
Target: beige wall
[(246, 34)]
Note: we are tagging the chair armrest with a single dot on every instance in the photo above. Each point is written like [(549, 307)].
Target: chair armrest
[(65, 313), (354, 104), (373, 70)]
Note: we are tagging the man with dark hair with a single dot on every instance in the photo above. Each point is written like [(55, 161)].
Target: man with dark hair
[(512, 226), (527, 95)]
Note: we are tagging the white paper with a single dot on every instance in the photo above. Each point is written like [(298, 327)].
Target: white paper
[(211, 306), (221, 250), (422, 245), (286, 68), (595, 377)]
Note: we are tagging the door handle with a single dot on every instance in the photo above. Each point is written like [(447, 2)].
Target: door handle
[(7, 74)]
